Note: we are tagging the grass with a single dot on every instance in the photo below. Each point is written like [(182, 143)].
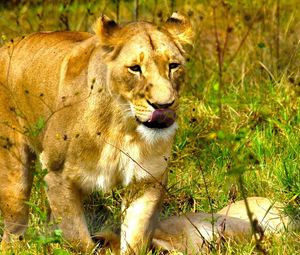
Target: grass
[(239, 113)]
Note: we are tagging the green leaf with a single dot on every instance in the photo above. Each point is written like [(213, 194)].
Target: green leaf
[(38, 210), (60, 252), (221, 135), (261, 45), (216, 86), (36, 128), (57, 232), (40, 123)]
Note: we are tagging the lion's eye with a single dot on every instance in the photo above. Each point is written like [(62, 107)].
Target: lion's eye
[(173, 65), (135, 68)]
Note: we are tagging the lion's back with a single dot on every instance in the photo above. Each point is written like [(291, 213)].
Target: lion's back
[(36, 55), (30, 74)]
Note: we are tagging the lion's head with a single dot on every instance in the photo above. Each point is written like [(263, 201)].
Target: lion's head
[(145, 65)]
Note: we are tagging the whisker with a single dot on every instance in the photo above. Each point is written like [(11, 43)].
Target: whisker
[(143, 112)]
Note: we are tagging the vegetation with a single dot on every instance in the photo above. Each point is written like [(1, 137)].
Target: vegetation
[(239, 123)]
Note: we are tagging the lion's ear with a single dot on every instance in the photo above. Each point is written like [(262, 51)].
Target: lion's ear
[(180, 28), (104, 27)]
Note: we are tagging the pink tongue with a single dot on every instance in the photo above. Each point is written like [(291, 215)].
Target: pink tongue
[(163, 116)]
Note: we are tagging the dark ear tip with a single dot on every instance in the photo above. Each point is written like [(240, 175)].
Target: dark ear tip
[(174, 21), (176, 18), (107, 22), (111, 24), (104, 18)]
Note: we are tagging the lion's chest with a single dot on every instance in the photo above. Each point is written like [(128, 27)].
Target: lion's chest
[(115, 166)]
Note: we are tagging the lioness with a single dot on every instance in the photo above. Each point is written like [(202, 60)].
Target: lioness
[(99, 110)]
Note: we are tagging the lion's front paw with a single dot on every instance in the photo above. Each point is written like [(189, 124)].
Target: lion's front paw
[(107, 242)]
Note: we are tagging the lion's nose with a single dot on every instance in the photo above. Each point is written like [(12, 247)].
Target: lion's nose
[(161, 106)]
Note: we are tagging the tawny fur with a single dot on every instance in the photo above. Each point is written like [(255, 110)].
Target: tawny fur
[(71, 98), (192, 233)]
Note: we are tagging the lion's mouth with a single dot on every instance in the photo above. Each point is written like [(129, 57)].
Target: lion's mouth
[(161, 118)]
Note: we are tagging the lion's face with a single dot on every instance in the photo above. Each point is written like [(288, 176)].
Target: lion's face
[(146, 71), (147, 74)]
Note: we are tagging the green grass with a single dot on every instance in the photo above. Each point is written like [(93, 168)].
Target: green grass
[(241, 121)]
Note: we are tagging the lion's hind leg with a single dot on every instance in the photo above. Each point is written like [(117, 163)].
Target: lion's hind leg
[(15, 185)]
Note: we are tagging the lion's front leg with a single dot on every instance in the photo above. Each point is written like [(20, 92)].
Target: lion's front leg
[(66, 206), (141, 211)]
